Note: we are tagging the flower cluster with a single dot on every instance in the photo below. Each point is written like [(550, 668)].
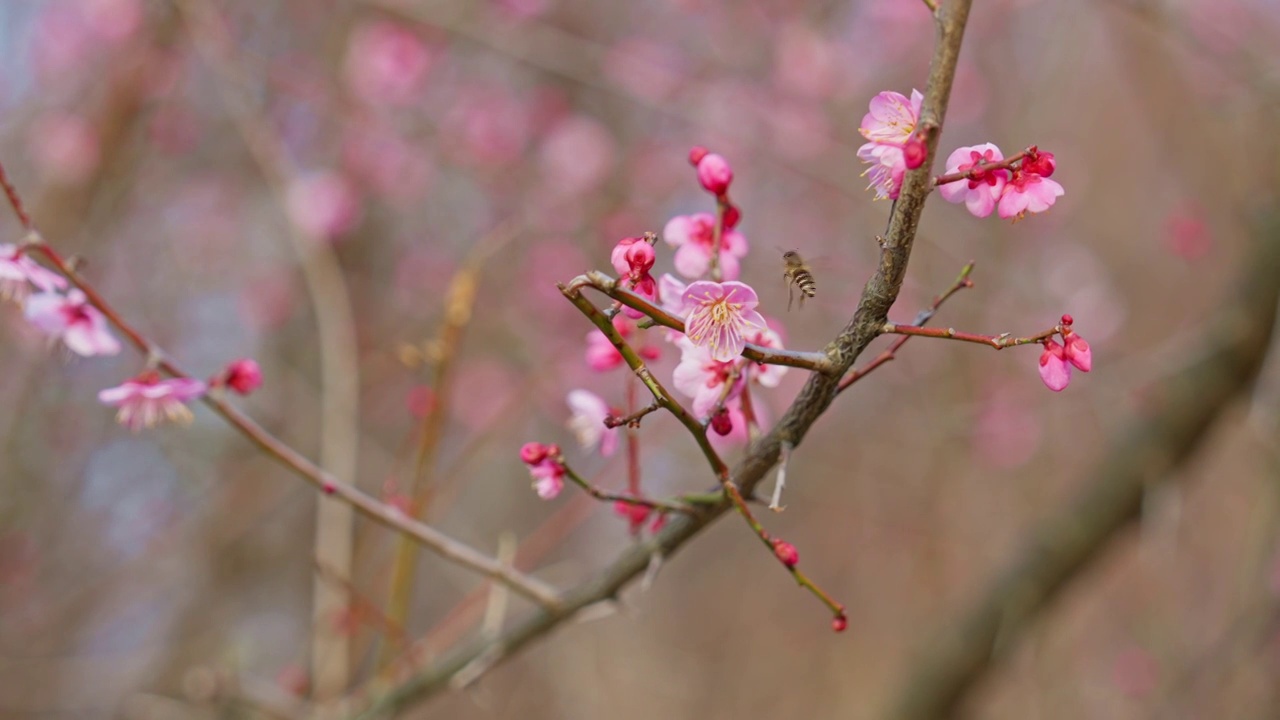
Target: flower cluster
[(546, 467), (977, 175), (1057, 359)]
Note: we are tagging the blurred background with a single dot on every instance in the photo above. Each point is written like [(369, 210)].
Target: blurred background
[(300, 181)]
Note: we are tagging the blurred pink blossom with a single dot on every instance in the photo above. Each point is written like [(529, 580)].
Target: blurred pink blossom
[(112, 20), (487, 126), (979, 194), (576, 155), (635, 514), (602, 356), (720, 315), (18, 273), (703, 378), (587, 422), (545, 467), (714, 174), (766, 375), (643, 68), (1187, 235), (805, 61), (323, 204), (72, 319), (243, 376), (694, 236), (386, 63), (1006, 433), (387, 164), (146, 400), (61, 41), (65, 147)]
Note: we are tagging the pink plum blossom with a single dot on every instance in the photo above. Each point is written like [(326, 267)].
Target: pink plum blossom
[(386, 63), (767, 375), (323, 205), (980, 193), (602, 356), (720, 315), (704, 378), (694, 236), (892, 118), (146, 400), (80, 326), (887, 171), (587, 422), (633, 257), (1026, 193), (635, 514), (65, 147), (18, 273)]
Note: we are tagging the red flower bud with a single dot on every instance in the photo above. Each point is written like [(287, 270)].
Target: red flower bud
[(722, 423), (1067, 320), (244, 376), (715, 174), (786, 552), (914, 151), (839, 623), (532, 453), (696, 154), (732, 216)]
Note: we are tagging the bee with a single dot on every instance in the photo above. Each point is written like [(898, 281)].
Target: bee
[(798, 276)]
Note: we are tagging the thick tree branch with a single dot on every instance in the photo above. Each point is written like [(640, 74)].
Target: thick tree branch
[(1175, 417), (879, 294)]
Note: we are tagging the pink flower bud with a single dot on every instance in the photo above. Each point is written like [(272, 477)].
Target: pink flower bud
[(715, 174), (243, 376), (640, 256), (722, 423), (696, 154), (1040, 163), (329, 488), (1077, 351), (532, 453), (839, 623), (786, 552), (1054, 370), (914, 151), (732, 216), (1068, 321)]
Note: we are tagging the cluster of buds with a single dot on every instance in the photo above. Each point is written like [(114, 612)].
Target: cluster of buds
[(633, 258), (1057, 359), (546, 467)]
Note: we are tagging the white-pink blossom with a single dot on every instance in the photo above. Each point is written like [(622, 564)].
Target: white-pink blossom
[(18, 273), (147, 399), (70, 318), (587, 422), (1026, 193)]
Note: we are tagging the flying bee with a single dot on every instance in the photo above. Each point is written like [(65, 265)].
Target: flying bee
[(798, 276)]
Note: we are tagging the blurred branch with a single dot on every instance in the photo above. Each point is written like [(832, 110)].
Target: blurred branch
[(1176, 415), (337, 342), (382, 513), (877, 297)]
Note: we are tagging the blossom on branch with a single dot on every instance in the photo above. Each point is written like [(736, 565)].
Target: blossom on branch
[(889, 126), (587, 422), (546, 467), (982, 190), (18, 273), (720, 315), (1028, 192), (147, 400), (694, 236), (1057, 359), (70, 318)]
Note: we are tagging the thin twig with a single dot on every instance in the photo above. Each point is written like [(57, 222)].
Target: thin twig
[(597, 493), (632, 420), (999, 342)]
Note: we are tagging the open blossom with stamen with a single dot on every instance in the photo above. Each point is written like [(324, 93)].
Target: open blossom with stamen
[(587, 422), (694, 236), (892, 118), (147, 399), (720, 315), (71, 318), (1028, 192), (888, 127), (18, 273), (981, 192)]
